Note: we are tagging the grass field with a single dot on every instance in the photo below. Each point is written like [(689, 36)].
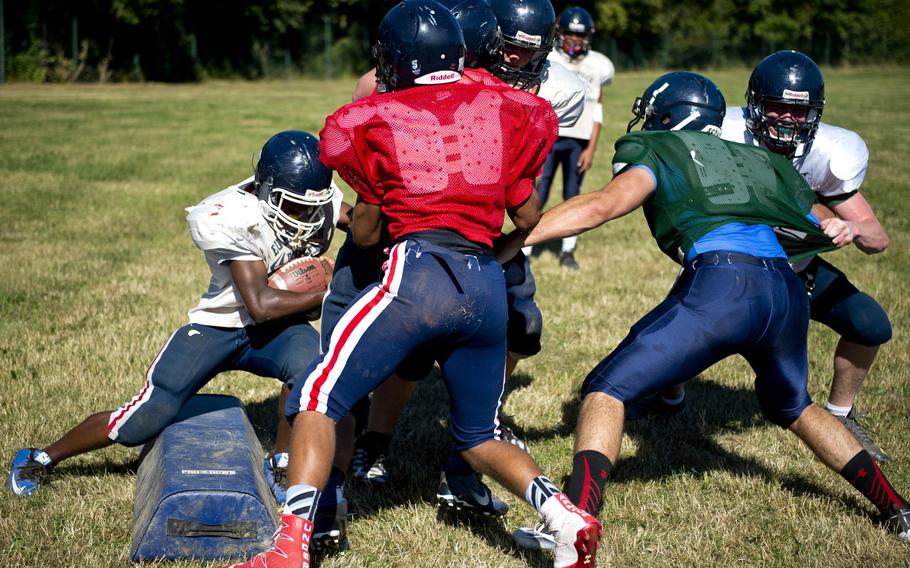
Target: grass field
[(96, 270)]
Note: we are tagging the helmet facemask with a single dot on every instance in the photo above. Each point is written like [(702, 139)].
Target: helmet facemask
[(295, 218), (524, 76), (573, 44), (785, 136), (386, 77)]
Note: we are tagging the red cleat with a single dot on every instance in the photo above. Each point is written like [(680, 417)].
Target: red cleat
[(290, 547), (576, 532)]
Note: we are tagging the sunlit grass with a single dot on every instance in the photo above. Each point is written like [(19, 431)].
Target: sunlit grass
[(96, 270)]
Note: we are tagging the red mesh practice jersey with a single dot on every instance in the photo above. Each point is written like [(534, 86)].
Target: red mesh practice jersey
[(450, 156), (481, 77)]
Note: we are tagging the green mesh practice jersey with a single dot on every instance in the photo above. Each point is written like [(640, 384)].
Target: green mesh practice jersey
[(704, 182)]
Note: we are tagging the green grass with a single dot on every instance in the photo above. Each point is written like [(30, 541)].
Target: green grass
[(97, 270)]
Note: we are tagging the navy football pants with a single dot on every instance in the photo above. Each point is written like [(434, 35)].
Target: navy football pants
[(837, 303), (444, 305), (356, 268), (565, 153), (194, 354), (721, 305)]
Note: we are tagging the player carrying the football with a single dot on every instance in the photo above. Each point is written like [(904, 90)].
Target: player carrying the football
[(247, 231)]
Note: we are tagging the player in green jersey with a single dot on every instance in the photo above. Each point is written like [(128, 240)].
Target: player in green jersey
[(712, 206)]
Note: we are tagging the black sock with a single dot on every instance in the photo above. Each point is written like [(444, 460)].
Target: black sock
[(375, 442), (590, 470), (336, 478), (457, 463), (864, 475)]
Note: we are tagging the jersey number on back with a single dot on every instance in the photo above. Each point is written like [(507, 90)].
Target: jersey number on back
[(471, 145)]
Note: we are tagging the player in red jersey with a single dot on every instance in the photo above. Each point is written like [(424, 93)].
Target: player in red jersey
[(438, 162)]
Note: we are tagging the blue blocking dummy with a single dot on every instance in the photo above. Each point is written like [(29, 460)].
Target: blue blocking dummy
[(200, 489)]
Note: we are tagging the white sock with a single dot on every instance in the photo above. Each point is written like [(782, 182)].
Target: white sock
[(569, 243), (527, 250), (301, 501), (838, 410), (674, 401), (539, 491)]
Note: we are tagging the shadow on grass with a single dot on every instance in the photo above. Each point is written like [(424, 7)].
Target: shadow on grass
[(128, 467), (686, 442), (263, 415), (667, 446)]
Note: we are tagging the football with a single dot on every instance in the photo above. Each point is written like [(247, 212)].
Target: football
[(305, 274)]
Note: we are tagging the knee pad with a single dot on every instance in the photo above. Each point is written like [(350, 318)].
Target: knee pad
[(781, 409), (147, 421), (860, 319)]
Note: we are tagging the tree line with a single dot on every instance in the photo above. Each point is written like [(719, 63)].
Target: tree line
[(189, 40)]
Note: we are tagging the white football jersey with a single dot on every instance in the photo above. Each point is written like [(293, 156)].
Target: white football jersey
[(564, 91), (595, 70), (229, 226), (834, 164)]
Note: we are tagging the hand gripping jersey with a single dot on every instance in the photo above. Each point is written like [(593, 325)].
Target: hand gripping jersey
[(704, 182), (229, 226), (451, 156), (564, 90), (834, 164), (594, 70)]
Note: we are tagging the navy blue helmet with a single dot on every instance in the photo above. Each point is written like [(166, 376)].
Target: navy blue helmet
[(528, 27), (295, 191), (785, 78), (419, 43), (575, 21), (680, 101), (482, 38)]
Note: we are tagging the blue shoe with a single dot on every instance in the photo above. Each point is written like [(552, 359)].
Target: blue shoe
[(465, 491), (29, 469), (276, 474)]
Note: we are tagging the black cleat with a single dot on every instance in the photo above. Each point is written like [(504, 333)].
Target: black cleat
[(368, 464), (899, 522), (330, 525), (852, 422), (465, 491), (567, 260)]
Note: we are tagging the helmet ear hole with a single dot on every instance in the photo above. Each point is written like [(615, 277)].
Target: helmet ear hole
[(665, 119)]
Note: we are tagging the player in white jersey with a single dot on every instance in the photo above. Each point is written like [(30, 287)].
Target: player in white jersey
[(288, 209), (785, 103), (574, 150)]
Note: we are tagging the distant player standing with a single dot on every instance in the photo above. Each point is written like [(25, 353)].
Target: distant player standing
[(438, 162), (574, 149), (288, 209)]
